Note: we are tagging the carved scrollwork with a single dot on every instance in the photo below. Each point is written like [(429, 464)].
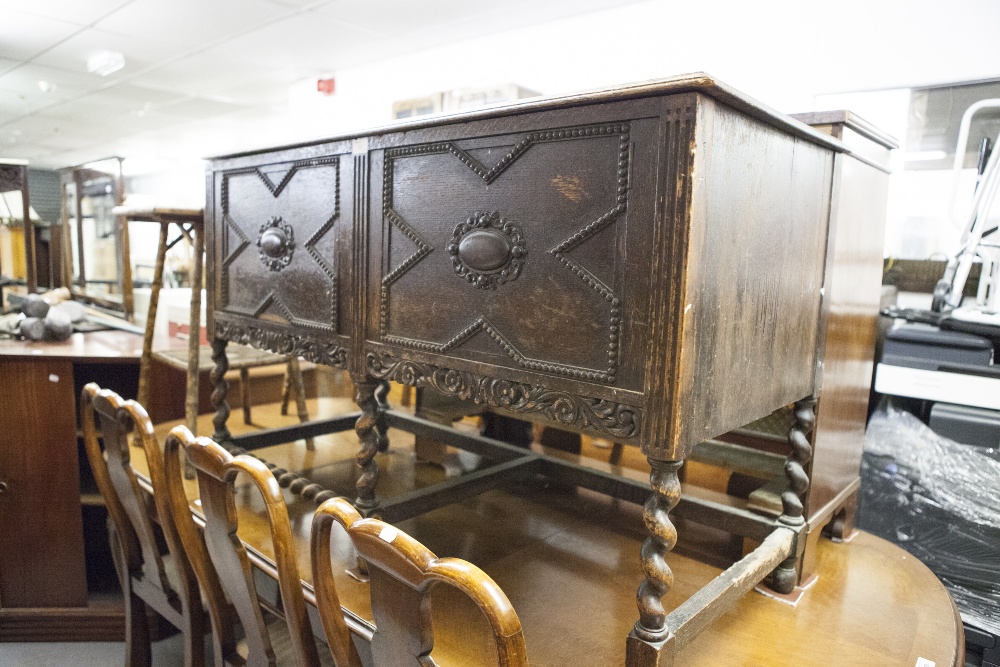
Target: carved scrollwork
[(310, 349), (276, 242), (590, 414), (487, 250)]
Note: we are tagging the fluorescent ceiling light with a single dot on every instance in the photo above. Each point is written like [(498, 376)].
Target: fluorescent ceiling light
[(105, 62)]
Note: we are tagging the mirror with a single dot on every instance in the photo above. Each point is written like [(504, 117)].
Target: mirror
[(96, 250), (16, 216)]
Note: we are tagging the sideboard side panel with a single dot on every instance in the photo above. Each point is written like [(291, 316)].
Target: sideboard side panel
[(755, 269)]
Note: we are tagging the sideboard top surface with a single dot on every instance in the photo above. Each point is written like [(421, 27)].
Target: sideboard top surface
[(685, 83)]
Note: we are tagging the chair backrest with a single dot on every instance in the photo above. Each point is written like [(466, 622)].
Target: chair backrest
[(217, 471), (402, 573), (104, 411), (220, 611)]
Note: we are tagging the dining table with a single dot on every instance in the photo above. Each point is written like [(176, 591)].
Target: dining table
[(563, 555)]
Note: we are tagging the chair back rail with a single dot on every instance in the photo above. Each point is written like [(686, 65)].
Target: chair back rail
[(402, 573), (141, 565), (221, 613), (217, 471)]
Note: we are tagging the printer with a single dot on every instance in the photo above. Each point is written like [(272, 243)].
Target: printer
[(954, 369)]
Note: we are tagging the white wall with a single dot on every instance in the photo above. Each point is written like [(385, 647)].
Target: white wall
[(782, 52), (793, 56)]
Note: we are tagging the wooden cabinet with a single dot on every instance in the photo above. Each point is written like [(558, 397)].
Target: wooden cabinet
[(41, 529), (43, 542), (635, 251), (644, 263)]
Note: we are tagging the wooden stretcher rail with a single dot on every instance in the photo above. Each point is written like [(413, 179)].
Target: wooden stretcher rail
[(282, 434), (714, 599)]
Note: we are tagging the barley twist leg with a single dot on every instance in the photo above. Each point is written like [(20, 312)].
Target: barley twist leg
[(786, 574), (651, 625), (220, 391), (367, 430)]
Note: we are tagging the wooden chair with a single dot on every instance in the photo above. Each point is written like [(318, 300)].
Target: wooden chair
[(221, 613), (161, 581), (402, 573), (217, 471)]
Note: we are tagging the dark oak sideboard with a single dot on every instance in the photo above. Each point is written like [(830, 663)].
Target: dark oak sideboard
[(643, 263)]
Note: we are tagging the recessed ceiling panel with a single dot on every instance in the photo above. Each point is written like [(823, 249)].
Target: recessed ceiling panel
[(199, 107), (23, 36), (47, 83), (140, 52), (80, 12), (192, 23), (202, 73), (135, 97), (399, 17), (17, 104), (312, 40)]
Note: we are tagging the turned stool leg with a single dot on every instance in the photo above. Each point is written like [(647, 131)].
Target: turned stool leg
[(286, 389), (295, 374), (245, 394)]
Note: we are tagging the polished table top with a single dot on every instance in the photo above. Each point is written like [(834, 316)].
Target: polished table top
[(566, 558), (94, 346)]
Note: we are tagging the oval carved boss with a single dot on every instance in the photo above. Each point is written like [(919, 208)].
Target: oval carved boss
[(487, 250), (276, 242)]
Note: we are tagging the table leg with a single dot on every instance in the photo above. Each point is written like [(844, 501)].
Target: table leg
[(145, 361), (381, 426), (651, 635), (294, 374), (220, 392), (194, 337), (370, 427), (245, 394), (786, 575)]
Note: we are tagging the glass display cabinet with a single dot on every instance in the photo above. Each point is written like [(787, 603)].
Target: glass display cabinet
[(96, 265)]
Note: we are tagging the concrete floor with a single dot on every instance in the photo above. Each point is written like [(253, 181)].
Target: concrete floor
[(167, 652)]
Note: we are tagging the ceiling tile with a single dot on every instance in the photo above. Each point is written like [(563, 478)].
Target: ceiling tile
[(23, 36), (140, 52), (192, 23), (17, 104), (7, 64), (301, 3), (109, 118), (269, 89), (398, 17), (71, 11), (200, 107), (313, 41), (136, 97), (203, 73), (61, 84)]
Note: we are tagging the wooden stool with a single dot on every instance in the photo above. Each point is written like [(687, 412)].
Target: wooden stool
[(242, 358)]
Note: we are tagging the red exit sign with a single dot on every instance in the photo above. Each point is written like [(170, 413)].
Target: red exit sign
[(325, 86)]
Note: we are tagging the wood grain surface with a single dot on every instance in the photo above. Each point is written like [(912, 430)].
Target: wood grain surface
[(567, 560)]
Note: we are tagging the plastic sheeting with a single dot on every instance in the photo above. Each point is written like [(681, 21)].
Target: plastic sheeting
[(939, 500)]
